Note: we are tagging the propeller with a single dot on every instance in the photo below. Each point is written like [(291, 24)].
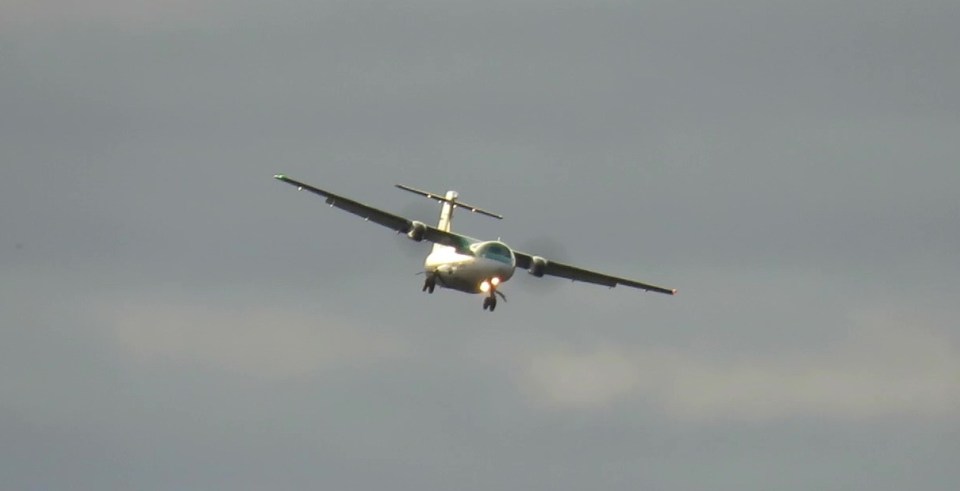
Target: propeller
[(549, 248), (417, 210)]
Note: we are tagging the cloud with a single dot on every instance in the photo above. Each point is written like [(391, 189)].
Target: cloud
[(884, 368), (589, 379), (267, 342)]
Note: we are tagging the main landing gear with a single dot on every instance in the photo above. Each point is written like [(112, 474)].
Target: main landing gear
[(430, 283)]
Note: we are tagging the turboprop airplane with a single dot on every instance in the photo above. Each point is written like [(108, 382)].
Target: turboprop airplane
[(462, 263)]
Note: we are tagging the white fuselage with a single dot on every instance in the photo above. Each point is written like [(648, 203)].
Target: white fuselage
[(467, 273)]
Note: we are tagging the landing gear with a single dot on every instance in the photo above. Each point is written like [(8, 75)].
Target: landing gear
[(490, 302), (429, 284), (490, 288)]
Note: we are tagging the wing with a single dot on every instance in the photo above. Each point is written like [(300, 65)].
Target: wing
[(574, 273), (395, 222)]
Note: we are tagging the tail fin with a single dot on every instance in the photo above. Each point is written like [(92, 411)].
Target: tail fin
[(449, 202), (446, 211)]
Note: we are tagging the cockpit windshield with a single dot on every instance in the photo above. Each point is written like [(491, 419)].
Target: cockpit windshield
[(495, 251)]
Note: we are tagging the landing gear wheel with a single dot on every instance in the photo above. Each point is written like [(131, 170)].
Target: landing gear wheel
[(429, 284), (490, 303)]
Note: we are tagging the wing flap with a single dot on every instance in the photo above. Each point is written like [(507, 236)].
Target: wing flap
[(400, 224), (366, 212), (574, 273), (578, 274)]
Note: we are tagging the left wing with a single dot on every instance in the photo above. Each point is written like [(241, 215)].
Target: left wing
[(395, 222), (552, 268)]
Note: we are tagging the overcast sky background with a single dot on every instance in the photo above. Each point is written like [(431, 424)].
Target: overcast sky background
[(172, 318)]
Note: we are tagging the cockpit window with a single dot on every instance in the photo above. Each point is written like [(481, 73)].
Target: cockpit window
[(495, 251)]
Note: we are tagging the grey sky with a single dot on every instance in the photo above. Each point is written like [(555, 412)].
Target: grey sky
[(171, 318)]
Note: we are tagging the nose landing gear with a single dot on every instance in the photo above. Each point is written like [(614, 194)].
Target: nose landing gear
[(490, 288), (490, 302)]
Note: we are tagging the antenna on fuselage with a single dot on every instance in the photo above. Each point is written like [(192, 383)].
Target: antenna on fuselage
[(453, 202)]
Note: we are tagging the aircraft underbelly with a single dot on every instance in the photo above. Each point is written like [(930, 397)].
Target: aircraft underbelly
[(467, 275)]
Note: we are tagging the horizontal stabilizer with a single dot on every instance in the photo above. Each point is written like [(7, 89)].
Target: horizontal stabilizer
[(453, 202)]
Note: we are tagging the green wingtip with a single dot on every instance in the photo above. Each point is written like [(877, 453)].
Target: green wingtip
[(279, 176)]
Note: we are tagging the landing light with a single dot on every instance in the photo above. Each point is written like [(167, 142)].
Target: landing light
[(495, 281), (485, 287)]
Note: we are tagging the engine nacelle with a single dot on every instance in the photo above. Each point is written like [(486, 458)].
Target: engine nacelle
[(538, 266), (417, 229)]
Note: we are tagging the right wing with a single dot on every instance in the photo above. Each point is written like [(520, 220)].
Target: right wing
[(553, 268), (402, 225)]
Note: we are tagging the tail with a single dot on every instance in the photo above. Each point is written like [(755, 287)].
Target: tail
[(448, 203), (446, 211)]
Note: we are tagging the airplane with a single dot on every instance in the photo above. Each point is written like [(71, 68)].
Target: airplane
[(462, 263)]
